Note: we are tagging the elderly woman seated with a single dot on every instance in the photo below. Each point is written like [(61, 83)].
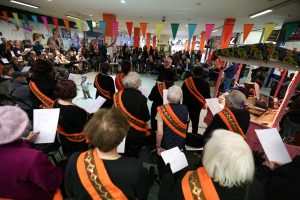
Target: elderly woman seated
[(134, 105), (102, 173), (233, 117), (227, 172)]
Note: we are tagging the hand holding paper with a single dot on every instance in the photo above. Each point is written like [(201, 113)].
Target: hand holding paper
[(175, 158), (213, 105)]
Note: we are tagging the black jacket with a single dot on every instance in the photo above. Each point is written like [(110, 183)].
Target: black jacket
[(107, 83)]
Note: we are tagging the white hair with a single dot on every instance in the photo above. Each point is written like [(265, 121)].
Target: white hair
[(132, 80), (228, 159), (237, 99), (174, 94)]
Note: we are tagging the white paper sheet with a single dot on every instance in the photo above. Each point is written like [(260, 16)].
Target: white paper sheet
[(165, 94), (213, 105), (20, 58), (26, 50), (12, 54), (96, 105), (114, 78), (26, 68), (273, 145), (121, 147), (175, 158), (45, 121), (73, 77), (5, 61), (145, 90)]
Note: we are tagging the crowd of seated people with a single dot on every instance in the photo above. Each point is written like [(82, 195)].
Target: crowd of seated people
[(90, 166)]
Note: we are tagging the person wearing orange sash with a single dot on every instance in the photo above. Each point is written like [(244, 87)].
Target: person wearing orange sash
[(42, 84), (195, 90), (234, 117), (105, 86), (227, 172), (156, 95), (125, 69), (71, 119), (102, 173), (134, 105)]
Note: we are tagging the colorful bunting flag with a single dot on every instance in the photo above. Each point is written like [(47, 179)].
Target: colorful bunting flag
[(115, 26), (289, 30), (247, 30), (159, 28), (267, 31), (129, 26), (34, 18), (174, 29), (45, 21), (202, 41), (24, 17), (148, 41), (55, 22), (154, 42), (143, 26), (208, 30), (67, 24), (193, 43), (192, 28), (90, 24), (136, 42), (78, 24), (227, 32), (16, 17), (102, 27)]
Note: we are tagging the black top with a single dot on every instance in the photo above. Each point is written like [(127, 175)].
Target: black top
[(189, 99), (282, 183), (72, 119), (127, 174), (107, 83)]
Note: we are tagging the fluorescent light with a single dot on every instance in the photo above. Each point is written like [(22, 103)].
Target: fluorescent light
[(260, 13), (123, 1), (214, 30), (72, 17), (23, 4)]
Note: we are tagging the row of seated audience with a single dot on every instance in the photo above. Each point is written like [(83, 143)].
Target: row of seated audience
[(94, 170)]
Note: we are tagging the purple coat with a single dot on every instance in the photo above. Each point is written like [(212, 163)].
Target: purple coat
[(26, 173)]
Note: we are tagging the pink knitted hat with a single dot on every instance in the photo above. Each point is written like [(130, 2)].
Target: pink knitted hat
[(13, 122)]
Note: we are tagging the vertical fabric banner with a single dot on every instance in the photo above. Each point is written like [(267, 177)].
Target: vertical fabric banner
[(102, 27), (193, 43), (34, 18), (129, 26), (267, 31), (227, 32), (136, 42), (90, 24), (174, 29), (55, 22), (67, 24), (202, 41), (247, 30), (192, 28), (159, 28), (5, 16), (25, 19), (154, 42), (45, 21), (16, 17), (148, 41), (143, 29), (78, 24), (289, 30), (115, 26), (208, 30)]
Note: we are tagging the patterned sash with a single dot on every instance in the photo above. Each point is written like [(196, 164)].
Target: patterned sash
[(119, 81), (46, 101), (189, 82), (229, 119), (171, 120), (197, 185), (95, 179), (161, 87), (105, 93), (135, 123), (74, 137)]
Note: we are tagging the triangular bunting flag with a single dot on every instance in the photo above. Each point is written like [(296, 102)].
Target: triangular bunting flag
[(24, 17), (143, 29), (34, 18), (102, 27), (247, 30), (129, 26), (174, 29), (159, 28), (16, 17), (90, 24), (227, 30), (267, 31), (192, 28), (208, 30), (67, 24), (78, 24), (55, 22), (289, 30), (202, 41), (45, 21)]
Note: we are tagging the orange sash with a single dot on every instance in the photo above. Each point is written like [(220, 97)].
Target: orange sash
[(135, 123), (95, 179), (46, 101), (198, 185), (161, 87), (119, 81), (74, 137), (105, 93), (189, 82), (229, 119), (171, 120)]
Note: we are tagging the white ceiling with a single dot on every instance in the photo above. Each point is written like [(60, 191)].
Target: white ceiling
[(176, 11)]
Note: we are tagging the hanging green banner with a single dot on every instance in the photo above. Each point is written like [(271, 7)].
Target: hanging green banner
[(174, 29)]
